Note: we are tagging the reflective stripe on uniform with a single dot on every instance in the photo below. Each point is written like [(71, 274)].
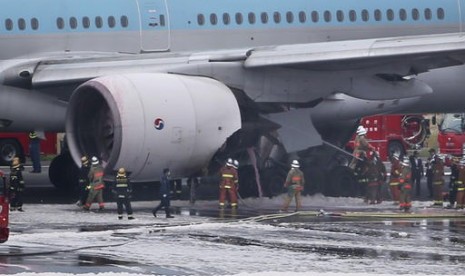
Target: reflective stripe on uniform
[(460, 189), (394, 183), (227, 175), (437, 182)]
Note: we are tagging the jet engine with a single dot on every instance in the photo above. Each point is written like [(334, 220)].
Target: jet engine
[(148, 122)]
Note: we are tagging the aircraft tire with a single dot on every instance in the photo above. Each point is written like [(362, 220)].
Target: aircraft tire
[(63, 173)]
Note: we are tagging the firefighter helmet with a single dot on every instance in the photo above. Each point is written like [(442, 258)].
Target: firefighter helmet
[(121, 172), (84, 159), (94, 160), (295, 164), (236, 164), (230, 162), (361, 130), (395, 155)]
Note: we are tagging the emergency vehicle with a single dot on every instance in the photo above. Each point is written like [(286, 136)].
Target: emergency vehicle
[(4, 209), (451, 135), (17, 144), (394, 133)]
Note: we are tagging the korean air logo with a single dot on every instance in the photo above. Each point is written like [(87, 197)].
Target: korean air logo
[(159, 124)]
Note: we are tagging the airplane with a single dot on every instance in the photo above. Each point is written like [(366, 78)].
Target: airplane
[(185, 84)]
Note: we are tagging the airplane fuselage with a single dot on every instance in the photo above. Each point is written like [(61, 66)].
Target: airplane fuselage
[(134, 26)]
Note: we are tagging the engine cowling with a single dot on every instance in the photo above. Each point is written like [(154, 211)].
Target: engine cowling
[(147, 122)]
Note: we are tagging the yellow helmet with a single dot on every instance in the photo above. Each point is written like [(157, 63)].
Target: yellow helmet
[(121, 172), (84, 160)]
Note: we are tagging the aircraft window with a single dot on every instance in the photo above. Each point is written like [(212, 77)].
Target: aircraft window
[(213, 19), (289, 17), (315, 16), (34, 23), (340, 16), (403, 14), (365, 15), (124, 21), (162, 20), (21, 24), (352, 15), (428, 14), (226, 19), (111, 21), (239, 18), (99, 22), (251, 17), (302, 17), (415, 14), (327, 16), (73, 22), (277, 17), (9, 24), (200, 19), (440, 13), (390, 14), (86, 22), (378, 15), (60, 23), (264, 17)]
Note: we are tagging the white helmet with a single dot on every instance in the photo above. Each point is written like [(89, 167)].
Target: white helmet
[(94, 160), (395, 155), (229, 162), (295, 164), (236, 164), (361, 130)]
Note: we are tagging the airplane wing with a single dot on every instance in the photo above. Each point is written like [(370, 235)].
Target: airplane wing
[(387, 57)]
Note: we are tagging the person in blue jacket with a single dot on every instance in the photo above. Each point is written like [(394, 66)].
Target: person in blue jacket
[(164, 194)]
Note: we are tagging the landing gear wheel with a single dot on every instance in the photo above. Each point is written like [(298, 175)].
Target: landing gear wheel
[(9, 148), (63, 173), (341, 182)]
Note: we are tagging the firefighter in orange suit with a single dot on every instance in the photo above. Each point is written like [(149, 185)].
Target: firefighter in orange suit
[(361, 145), (396, 170), (405, 185), (295, 185), (438, 180), (228, 184), (96, 185), (460, 185)]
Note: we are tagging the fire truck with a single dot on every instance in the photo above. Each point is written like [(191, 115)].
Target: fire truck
[(451, 135), (394, 133), (4, 209), (17, 144)]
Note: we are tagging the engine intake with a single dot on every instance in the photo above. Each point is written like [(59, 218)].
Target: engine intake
[(147, 122)]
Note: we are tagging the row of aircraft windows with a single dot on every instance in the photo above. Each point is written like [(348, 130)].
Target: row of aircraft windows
[(390, 15), (73, 22)]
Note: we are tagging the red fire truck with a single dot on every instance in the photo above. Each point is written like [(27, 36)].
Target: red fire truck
[(17, 144), (394, 133), (4, 210), (451, 135)]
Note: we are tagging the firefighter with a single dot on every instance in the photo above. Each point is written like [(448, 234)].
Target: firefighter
[(16, 185), (361, 145), (396, 170), (429, 171), (372, 176), (164, 194), (295, 185), (122, 191), (460, 185), (96, 185), (360, 172), (34, 150), (83, 181), (382, 176), (417, 171), (438, 180), (454, 176), (228, 184), (405, 185)]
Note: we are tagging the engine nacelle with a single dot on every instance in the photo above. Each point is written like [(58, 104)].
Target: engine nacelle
[(148, 122)]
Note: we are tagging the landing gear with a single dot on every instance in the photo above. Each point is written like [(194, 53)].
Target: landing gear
[(63, 173)]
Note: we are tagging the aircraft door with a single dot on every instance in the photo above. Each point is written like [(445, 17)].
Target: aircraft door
[(154, 24)]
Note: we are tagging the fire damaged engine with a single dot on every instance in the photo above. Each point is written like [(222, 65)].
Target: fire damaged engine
[(390, 134)]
